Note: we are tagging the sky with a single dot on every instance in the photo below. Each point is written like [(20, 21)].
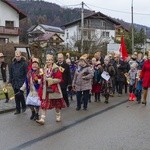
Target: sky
[(115, 8)]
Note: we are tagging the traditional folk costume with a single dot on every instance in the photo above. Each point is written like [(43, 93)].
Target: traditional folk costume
[(33, 90), (51, 95)]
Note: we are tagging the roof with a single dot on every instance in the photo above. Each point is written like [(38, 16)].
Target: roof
[(46, 36), (31, 28), (51, 28), (21, 14), (98, 14), (124, 27), (36, 32)]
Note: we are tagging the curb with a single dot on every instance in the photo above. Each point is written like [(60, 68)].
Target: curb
[(7, 110)]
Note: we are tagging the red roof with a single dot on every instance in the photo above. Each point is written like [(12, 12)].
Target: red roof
[(21, 14)]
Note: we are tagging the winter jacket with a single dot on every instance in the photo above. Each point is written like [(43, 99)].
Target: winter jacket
[(82, 79), (66, 76), (17, 73), (145, 74)]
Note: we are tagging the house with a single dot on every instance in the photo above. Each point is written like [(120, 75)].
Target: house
[(10, 16), (40, 29), (49, 40), (98, 28), (119, 31)]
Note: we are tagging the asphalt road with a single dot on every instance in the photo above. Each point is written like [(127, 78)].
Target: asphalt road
[(120, 125)]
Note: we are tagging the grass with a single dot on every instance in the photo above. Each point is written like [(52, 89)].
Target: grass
[(10, 93)]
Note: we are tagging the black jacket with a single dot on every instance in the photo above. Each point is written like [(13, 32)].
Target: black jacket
[(17, 73), (66, 75)]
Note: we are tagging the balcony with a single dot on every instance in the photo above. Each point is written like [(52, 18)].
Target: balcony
[(9, 31)]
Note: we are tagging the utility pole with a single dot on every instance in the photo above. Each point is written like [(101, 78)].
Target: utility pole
[(82, 26), (132, 28)]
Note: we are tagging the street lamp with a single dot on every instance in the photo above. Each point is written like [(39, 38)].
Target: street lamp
[(132, 28)]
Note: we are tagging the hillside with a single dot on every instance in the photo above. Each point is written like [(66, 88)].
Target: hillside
[(39, 11)]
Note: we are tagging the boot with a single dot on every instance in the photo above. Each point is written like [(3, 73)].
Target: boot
[(36, 117), (98, 96), (7, 98), (130, 96), (33, 115), (42, 120), (58, 117), (133, 97), (95, 97), (106, 101)]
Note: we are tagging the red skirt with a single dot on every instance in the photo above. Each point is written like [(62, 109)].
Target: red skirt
[(96, 88), (53, 103)]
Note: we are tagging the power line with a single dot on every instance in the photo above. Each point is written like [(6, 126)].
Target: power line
[(119, 11)]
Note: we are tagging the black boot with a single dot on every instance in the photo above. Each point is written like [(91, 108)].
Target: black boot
[(7, 98), (33, 115), (36, 117), (98, 97), (95, 97), (106, 101)]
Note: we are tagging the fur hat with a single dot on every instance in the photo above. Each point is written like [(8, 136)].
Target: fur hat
[(35, 60)]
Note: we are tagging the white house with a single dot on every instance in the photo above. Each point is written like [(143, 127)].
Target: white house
[(37, 30), (9, 22), (98, 28)]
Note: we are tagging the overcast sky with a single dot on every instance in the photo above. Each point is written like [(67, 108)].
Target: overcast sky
[(115, 8)]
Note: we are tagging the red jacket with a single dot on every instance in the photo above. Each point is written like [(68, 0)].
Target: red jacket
[(145, 74)]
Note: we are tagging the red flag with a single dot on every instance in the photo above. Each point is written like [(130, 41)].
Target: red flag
[(123, 49)]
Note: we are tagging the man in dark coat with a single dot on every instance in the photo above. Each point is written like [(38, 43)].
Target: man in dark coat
[(64, 67), (4, 76), (120, 77), (18, 71)]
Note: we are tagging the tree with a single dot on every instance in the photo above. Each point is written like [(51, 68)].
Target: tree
[(139, 39)]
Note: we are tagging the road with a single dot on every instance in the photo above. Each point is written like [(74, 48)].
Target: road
[(120, 125)]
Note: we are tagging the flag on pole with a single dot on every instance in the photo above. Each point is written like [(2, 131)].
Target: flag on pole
[(123, 49)]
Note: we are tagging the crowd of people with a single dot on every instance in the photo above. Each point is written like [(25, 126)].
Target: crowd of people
[(54, 85)]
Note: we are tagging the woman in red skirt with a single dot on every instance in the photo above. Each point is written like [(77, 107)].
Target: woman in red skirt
[(51, 94), (96, 87)]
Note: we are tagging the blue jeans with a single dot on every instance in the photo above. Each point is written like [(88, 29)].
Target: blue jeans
[(138, 94), (82, 96)]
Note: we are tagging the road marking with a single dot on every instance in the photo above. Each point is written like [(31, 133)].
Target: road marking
[(31, 142)]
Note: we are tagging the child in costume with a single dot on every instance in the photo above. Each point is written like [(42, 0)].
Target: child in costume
[(33, 88)]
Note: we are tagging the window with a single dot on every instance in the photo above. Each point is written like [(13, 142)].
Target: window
[(103, 24), (4, 40), (105, 34), (67, 36), (9, 24), (85, 33)]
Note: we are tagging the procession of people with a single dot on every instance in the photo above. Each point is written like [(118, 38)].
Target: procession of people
[(51, 86)]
